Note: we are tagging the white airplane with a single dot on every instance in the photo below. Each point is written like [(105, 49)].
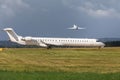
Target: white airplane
[(75, 27), (50, 42)]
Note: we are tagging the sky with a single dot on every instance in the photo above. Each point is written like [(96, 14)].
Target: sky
[(51, 18)]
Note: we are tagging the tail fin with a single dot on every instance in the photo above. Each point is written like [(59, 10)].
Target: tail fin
[(12, 35)]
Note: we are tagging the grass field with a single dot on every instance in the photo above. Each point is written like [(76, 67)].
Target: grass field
[(60, 64), (8, 75)]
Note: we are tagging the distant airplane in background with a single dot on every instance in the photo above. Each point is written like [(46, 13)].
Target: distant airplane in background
[(50, 42), (75, 27)]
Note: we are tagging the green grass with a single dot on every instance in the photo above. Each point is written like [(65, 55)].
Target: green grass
[(8, 75), (60, 64)]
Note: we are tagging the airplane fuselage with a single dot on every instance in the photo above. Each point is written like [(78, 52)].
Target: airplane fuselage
[(69, 42)]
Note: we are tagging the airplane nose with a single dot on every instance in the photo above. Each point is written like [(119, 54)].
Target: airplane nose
[(102, 44)]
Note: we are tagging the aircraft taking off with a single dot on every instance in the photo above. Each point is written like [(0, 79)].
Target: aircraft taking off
[(49, 42), (75, 27)]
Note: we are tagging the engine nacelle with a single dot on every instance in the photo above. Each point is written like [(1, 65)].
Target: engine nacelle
[(28, 38)]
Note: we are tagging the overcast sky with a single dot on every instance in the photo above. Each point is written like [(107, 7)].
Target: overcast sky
[(51, 18)]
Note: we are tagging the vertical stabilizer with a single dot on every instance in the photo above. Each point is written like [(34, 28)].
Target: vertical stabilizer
[(12, 35)]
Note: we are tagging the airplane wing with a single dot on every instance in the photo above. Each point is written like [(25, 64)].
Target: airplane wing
[(71, 28), (51, 44), (80, 28)]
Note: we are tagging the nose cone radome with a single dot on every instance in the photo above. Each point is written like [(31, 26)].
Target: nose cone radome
[(102, 44)]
